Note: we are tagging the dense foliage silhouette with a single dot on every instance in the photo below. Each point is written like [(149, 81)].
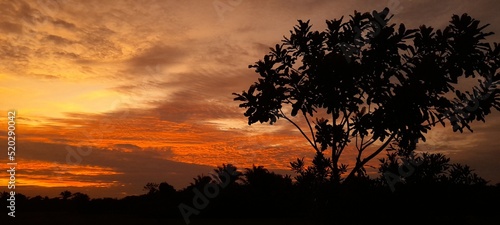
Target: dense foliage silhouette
[(365, 81)]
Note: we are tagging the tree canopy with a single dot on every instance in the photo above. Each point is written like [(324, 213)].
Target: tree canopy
[(364, 81)]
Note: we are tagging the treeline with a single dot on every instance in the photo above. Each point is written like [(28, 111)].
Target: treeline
[(424, 189)]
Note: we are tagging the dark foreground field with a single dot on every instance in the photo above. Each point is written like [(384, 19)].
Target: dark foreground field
[(350, 206), (81, 219), (259, 196)]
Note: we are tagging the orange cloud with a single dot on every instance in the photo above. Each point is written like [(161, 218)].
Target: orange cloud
[(53, 174)]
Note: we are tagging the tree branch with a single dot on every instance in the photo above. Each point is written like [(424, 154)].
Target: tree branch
[(351, 174), (368, 143), (345, 143), (300, 129), (310, 128)]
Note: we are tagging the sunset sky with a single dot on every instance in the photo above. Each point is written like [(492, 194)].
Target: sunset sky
[(111, 95)]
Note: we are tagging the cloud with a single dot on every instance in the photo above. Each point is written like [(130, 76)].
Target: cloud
[(57, 40), (206, 134), (64, 24), (11, 27), (119, 170), (129, 147), (157, 55)]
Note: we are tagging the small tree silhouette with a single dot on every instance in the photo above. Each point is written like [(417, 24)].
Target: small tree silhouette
[(228, 171), (200, 181), (464, 175), (65, 195), (267, 194), (166, 189), (151, 188), (426, 169), (80, 197), (259, 178), (375, 83)]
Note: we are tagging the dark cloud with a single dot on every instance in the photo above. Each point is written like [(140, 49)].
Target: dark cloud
[(98, 44), (127, 147), (11, 27), (67, 55), (157, 55), (44, 76), (183, 111), (133, 168), (15, 57), (64, 24), (57, 40)]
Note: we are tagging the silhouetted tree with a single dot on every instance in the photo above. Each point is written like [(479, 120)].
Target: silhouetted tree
[(200, 182), (166, 189), (464, 175), (80, 197), (375, 83), (151, 188), (402, 163), (228, 171), (37, 198), (260, 178), (426, 169), (266, 193), (316, 174), (65, 195)]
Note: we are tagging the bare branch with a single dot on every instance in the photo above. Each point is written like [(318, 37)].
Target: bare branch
[(367, 143), (310, 128), (362, 163), (300, 129)]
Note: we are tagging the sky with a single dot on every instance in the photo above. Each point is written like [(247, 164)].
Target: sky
[(111, 95)]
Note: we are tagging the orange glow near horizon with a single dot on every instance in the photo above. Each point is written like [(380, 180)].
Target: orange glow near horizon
[(52, 174)]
